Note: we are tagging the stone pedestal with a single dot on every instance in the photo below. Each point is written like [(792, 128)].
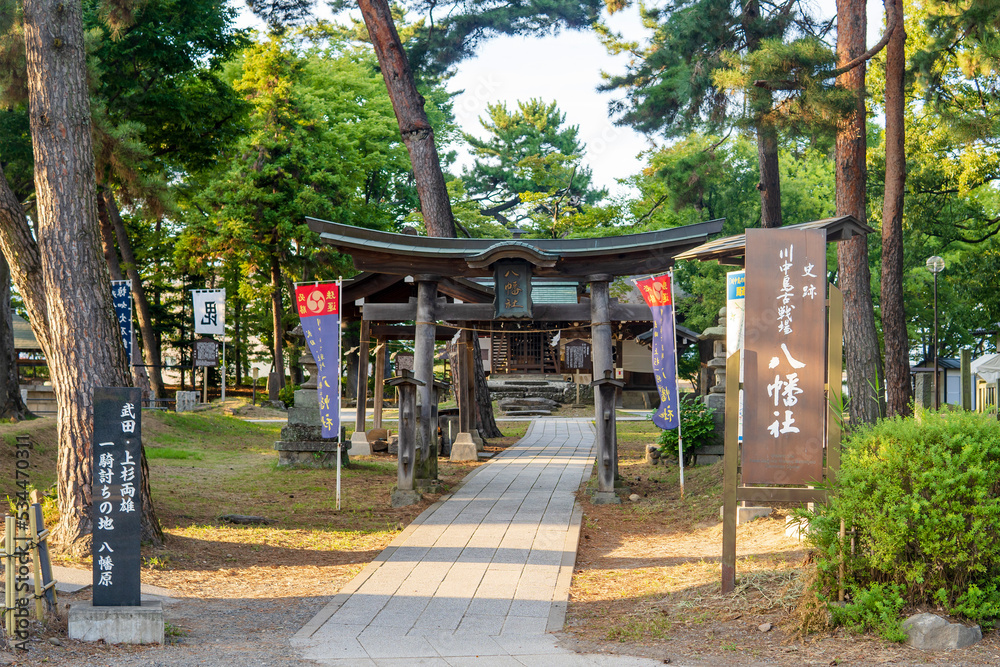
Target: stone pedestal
[(185, 401), (924, 393), (117, 625), (464, 448), (302, 442), (359, 444)]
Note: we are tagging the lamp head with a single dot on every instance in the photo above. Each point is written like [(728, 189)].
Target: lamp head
[(935, 264)]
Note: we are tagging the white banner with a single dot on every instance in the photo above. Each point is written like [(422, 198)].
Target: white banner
[(209, 311)]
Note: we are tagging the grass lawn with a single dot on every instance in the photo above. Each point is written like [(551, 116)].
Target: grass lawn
[(207, 464)]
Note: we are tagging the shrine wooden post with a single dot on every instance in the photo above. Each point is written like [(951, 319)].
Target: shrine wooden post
[(378, 398), (463, 447), (423, 371), (405, 492), (359, 440), (604, 401)]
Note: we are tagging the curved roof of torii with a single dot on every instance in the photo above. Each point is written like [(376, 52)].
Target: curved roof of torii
[(405, 254)]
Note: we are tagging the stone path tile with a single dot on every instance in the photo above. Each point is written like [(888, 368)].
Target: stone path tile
[(479, 577)]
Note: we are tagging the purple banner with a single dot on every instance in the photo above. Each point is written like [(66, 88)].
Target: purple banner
[(657, 293), (319, 310)]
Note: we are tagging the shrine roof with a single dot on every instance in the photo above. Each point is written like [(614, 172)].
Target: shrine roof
[(405, 254), (732, 249), (24, 337)]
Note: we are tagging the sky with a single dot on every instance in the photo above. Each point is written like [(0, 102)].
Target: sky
[(566, 68)]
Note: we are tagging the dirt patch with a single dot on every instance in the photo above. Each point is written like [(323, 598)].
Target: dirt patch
[(647, 581)]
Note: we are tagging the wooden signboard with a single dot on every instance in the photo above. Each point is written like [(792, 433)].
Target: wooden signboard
[(784, 375), (206, 353), (578, 356), (117, 497), (512, 289)]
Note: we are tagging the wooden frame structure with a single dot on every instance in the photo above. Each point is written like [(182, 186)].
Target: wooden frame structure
[(439, 265)]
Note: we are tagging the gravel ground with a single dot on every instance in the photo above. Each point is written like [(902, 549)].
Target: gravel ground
[(204, 633)]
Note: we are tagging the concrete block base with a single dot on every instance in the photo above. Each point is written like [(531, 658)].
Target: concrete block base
[(359, 444), (117, 625), (746, 514), (795, 529), (464, 448), (405, 497), (605, 498)]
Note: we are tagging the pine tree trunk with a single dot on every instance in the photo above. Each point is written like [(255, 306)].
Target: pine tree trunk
[(485, 420), (276, 312), (414, 127), (108, 241), (84, 350), (897, 343), (864, 365), (150, 344), (11, 405), (770, 180)]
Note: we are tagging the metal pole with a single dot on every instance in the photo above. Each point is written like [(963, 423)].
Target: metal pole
[(677, 384), (222, 370), (338, 475), (937, 404)]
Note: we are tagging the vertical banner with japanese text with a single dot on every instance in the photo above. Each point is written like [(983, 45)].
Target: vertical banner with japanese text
[(785, 343), (735, 321), (121, 297), (319, 309), (656, 292), (117, 500), (209, 311)]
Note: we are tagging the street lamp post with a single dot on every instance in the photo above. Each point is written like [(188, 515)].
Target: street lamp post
[(935, 265)]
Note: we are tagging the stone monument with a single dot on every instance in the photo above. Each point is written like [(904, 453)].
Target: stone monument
[(716, 396), (301, 441)]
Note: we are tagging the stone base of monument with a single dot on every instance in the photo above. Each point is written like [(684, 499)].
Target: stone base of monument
[(404, 498), (360, 445), (605, 498), (464, 448), (117, 625), (318, 453), (747, 514), (428, 485)]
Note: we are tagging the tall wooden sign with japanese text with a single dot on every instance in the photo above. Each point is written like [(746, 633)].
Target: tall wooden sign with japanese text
[(785, 340), (117, 499)]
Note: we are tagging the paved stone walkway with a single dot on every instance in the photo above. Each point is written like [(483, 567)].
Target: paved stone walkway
[(481, 577)]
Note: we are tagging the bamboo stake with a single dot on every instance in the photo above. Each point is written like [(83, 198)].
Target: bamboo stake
[(35, 559), (9, 571)]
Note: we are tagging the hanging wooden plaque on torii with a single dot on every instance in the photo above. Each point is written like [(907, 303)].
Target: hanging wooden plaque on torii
[(513, 289)]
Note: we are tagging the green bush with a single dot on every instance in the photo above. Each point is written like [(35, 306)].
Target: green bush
[(924, 497), (697, 428), (287, 394), (874, 609)]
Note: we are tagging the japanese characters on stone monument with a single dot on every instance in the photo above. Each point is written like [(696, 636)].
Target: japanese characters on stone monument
[(121, 298), (785, 342), (513, 289), (319, 311), (117, 500)]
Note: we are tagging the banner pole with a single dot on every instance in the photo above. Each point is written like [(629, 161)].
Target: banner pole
[(677, 383), (223, 369), (340, 351)]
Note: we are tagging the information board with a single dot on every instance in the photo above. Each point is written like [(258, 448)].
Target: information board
[(578, 356), (785, 342), (117, 496)]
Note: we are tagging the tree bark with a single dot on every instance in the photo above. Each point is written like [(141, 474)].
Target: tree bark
[(864, 365), (83, 351), (150, 344), (276, 313), (770, 179), (897, 343), (485, 421), (414, 127), (108, 241), (11, 405), (761, 101)]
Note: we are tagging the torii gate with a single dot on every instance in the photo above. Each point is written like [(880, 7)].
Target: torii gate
[(433, 260)]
